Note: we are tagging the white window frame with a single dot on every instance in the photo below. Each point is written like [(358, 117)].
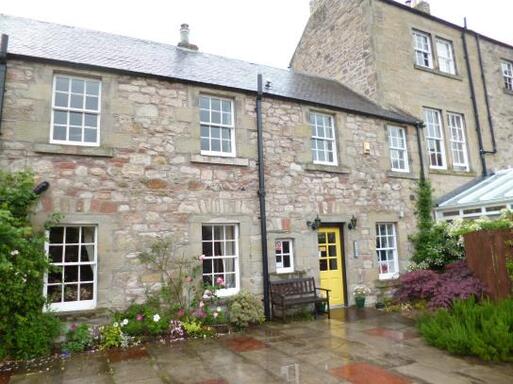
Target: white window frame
[(224, 292), (426, 52), (396, 150), (326, 140), (221, 126), (69, 109), (438, 125), (449, 61), (507, 73), (280, 254), (388, 248), (456, 125), (65, 306)]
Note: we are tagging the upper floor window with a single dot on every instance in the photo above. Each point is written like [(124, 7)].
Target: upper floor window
[(435, 138), (422, 46), (386, 250), (71, 283), (445, 55), (324, 147), (217, 126), (398, 149), (284, 254), (75, 111), (507, 72), (220, 244), (458, 144)]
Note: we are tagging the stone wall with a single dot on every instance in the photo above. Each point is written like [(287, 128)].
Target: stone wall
[(336, 43), (148, 178)]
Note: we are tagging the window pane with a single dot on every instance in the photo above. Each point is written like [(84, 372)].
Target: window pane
[(216, 145), (216, 117), (90, 135), (71, 253), (227, 146), (204, 102), (86, 291), (75, 134), (205, 145), (62, 84), (76, 101), (55, 275), (57, 235), (77, 86), (216, 104), (54, 293), (71, 292), (55, 253), (91, 103), (70, 273), (87, 253), (93, 87), (204, 116), (61, 99), (86, 273), (90, 120), (72, 234), (75, 118), (60, 117)]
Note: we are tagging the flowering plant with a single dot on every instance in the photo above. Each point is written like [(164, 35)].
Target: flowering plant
[(361, 291)]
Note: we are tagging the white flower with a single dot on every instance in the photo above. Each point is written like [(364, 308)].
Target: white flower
[(15, 252), (156, 317), (115, 325), (219, 309), (207, 294), (124, 322)]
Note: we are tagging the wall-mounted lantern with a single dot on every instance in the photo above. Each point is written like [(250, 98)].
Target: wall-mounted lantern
[(352, 223), (314, 225)]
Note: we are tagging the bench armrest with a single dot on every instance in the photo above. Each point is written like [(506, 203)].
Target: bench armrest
[(323, 289)]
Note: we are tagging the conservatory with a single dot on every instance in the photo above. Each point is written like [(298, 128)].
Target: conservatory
[(485, 198)]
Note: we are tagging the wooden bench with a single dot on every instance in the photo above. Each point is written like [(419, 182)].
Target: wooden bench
[(294, 292)]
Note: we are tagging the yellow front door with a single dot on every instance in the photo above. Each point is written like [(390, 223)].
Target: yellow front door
[(330, 262)]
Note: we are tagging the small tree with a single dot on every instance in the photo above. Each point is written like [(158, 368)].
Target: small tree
[(422, 240), (25, 331)]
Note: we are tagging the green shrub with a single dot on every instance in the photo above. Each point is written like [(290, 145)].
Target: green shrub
[(25, 331), (484, 330), (143, 319), (111, 336), (193, 328), (78, 338), (245, 309)]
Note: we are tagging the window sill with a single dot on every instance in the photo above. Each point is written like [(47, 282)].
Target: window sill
[(452, 173), (437, 72), (402, 175), (56, 149), (507, 91), (328, 168), (235, 161)]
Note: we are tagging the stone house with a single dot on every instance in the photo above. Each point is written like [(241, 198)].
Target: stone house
[(139, 139), (406, 59)]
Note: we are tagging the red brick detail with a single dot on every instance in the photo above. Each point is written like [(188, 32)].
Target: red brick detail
[(285, 224), (156, 184), (117, 355), (103, 206), (195, 186), (47, 204), (65, 165), (244, 344), (363, 373)]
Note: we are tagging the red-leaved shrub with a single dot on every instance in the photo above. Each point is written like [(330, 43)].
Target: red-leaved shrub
[(440, 289)]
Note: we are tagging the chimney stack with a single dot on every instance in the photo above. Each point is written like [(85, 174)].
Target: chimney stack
[(420, 5), (184, 38), (314, 4)]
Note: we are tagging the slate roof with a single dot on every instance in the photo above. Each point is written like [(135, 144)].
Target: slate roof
[(37, 39)]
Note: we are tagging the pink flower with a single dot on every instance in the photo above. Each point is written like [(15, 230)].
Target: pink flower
[(201, 304), (181, 312), (72, 327), (220, 281), (188, 279), (200, 314), (139, 317), (201, 258)]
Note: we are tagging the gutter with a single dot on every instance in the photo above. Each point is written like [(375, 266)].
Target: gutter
[(487, 99), (3, 73), (261, 197), (474, 102)]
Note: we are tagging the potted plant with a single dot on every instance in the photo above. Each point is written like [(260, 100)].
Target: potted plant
[(359, 293)]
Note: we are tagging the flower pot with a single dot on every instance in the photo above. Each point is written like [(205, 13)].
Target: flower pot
[(360, 301)]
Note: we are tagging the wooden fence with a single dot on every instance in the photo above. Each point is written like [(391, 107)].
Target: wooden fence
[(486, 253)]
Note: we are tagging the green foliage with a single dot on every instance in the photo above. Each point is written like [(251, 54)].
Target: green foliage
[(435, 246), (23, 264), (111, 336), (143, 319), (193, 328), (245, 309), (180, 276), (78, 338), (484, 330)]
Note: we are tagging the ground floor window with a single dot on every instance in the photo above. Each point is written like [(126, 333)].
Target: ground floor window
[(284, 254), (220, 244), (71, 282), (386, 250)]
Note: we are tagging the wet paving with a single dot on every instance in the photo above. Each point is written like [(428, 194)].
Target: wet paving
[(355, 346)]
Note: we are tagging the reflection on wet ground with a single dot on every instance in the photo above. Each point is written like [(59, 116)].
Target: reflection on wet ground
[(355, 346)]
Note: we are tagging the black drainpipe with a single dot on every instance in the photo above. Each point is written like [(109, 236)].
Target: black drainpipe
[(3, 73), (487, 99), (419, 126), (474, 102), (261, 196)]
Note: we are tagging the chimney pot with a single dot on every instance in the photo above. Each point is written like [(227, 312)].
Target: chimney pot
[(421, 5), (184, 38)]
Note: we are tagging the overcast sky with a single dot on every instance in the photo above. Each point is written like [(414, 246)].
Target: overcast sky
[(260, 31)]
